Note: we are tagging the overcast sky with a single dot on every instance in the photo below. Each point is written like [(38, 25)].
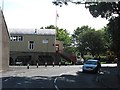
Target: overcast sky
[(41, 13)]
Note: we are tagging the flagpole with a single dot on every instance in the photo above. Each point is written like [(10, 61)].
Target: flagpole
[(55, 27), (56, 19)]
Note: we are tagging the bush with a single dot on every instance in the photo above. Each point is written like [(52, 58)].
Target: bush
[(102, 58), (86, 57)]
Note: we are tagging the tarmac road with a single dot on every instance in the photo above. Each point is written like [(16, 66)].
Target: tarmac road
[(55, 78)]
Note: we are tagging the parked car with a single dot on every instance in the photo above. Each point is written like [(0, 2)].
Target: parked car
[(91, 66), (79, 61), (18, 63)]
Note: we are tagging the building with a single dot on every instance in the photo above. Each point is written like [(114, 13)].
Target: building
[(32, 46), (59, 46), (4, 43)]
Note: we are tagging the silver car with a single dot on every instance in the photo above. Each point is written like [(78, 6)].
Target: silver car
[(91, 66)]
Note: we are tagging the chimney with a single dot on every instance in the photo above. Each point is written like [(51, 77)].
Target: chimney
[(35, 31)]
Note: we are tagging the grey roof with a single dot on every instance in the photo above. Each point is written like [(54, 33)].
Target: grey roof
[(32, 31)]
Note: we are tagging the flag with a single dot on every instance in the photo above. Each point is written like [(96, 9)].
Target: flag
[(57, 15)]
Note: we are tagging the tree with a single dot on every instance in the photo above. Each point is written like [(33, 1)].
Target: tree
[(77, 35), (79, 31), (50, 27), (93, 42), (89, 40), (110, 11)]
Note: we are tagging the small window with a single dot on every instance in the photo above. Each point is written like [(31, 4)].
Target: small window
[(20, 38), (16, 38), (31, 45), (11, 38)]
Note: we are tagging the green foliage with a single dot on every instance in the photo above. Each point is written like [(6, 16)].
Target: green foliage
[(88, 40), (86, 57), (110, 11), (50, 27), (79, 31), (104, 9), (61, 35), (114, 33), (93, 42), (64, 36), (70, 50)]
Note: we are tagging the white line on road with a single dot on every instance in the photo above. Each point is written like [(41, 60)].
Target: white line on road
[(55, 83), (55, 80), (6, 80)]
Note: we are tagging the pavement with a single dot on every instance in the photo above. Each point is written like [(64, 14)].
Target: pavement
[(109, 78)]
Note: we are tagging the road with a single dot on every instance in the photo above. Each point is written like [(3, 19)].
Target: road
[(49, 77)]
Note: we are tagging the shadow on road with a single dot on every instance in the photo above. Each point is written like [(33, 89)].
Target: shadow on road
[(80, 80)]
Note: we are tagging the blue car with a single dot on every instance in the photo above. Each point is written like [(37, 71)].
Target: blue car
[(91, 66)]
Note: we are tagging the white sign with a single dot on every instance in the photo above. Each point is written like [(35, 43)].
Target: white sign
[(45, 41)]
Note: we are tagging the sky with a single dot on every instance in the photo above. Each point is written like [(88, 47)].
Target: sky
[(42, 13)]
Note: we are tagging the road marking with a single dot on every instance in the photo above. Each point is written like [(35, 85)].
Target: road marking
[(55, 80), (57, 87), (6, 80), (97, 79)]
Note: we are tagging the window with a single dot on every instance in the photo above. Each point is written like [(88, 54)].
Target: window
[(11, 38), (20, 38), (16, 38), (31, 45)]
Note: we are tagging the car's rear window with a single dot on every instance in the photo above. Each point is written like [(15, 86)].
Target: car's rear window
[(91, 62)]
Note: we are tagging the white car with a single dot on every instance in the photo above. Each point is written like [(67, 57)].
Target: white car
[(18, 63), (91, 66)]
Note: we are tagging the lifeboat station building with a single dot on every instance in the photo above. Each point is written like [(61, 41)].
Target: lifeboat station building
[(32, 46)]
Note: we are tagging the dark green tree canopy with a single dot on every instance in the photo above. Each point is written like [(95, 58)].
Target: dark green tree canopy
[(111, 11), (89, 40), (79, 31), (93, 42), (105, 9)]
